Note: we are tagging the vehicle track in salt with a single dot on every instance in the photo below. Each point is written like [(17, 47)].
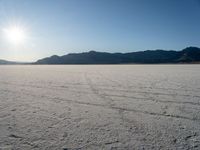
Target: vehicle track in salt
[(67, 86), (121, 96), (121, 110), (106, 106)]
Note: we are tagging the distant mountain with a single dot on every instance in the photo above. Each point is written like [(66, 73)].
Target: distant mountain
[(187, 55), (5, 62)]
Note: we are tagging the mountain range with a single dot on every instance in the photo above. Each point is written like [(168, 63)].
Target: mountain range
[(187, 55)]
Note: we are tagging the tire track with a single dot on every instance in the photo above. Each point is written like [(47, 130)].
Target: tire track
[(155, 100), (109, 107), (96, 91), (121, 110), (106, 96), (106, 89)]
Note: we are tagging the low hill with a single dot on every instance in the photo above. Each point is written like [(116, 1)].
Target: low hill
[(5, 62), (187, 55)]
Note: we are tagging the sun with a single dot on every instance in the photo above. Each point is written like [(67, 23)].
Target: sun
[(15, 34)]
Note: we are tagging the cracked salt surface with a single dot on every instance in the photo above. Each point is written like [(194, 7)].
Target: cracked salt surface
[(100, 107)]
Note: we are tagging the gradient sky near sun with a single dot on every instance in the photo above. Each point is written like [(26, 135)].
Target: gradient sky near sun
[(66, 26)]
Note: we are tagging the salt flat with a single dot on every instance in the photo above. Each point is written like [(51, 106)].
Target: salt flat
[(100, 107)]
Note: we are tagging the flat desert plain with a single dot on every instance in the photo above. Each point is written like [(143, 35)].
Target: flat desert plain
[(97, 107)]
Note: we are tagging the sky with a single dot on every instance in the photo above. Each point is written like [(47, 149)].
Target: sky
[(71, 26)]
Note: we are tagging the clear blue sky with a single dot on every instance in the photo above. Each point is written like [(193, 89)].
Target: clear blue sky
[(65, 26)]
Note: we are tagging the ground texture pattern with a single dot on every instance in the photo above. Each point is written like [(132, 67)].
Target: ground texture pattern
[(93, 107)]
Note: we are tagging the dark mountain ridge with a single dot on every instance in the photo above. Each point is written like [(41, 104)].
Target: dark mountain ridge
[(187, 55)]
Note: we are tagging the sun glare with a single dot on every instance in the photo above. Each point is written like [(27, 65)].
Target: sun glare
[(15, 34)]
